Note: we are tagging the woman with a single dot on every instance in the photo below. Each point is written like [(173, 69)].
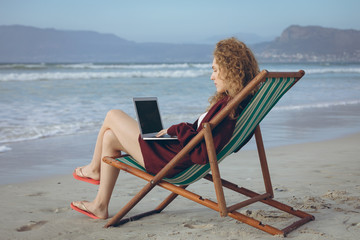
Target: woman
[(234, 65)]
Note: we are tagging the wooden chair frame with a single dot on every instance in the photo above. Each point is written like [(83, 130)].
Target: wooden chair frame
[(219, 183)]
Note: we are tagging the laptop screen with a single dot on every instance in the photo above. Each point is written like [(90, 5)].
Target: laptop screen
[(149, 116)]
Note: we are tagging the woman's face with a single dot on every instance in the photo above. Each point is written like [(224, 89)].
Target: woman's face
[(216, 77)]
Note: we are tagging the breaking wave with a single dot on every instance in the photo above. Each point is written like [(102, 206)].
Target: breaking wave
[(316, 105), (40, 72)]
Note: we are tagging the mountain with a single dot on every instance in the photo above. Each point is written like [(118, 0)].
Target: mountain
[(296, 44), (30, 44), (312, 44)]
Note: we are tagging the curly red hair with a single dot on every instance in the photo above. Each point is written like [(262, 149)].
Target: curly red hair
[(237, 67)]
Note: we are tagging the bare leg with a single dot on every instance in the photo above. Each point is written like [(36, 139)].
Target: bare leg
[(118, 133), (127, 131)]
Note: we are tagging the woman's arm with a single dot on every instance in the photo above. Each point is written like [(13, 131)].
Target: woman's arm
[(221, 134)]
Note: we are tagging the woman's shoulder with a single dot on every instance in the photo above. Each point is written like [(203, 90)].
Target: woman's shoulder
[(223, 100), (220, 104)]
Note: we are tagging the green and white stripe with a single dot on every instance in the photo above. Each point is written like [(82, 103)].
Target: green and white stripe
[(267, 96)]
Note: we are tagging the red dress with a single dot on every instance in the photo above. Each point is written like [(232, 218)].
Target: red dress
[(157, 154)]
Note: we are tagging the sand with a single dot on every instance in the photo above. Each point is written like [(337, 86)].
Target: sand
[(322, 178)]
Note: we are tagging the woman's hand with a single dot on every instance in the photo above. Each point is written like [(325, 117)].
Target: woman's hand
[(162, 133)]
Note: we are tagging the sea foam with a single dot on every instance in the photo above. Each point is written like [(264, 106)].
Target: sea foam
[(316, 105), (103, 75), (4, 148)]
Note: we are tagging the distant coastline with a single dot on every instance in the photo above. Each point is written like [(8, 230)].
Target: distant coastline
[(24, 44)]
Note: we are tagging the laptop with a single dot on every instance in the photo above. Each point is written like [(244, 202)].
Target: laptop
[(149, 119)]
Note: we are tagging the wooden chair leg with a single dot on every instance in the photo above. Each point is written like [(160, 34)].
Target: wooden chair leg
[(158, 209), (168, 200), (140, 195), (215, 170), (263, 161), (118, 218)]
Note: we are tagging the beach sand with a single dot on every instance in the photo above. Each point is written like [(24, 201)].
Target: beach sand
[(321, 178)]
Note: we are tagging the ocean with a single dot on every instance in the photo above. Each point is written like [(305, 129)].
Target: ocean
[(46, 101)]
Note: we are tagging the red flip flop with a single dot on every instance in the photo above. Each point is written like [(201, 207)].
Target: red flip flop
[(86, 211), (85, 179)]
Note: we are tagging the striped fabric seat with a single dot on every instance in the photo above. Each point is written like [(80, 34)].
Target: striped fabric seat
[(267, 96)]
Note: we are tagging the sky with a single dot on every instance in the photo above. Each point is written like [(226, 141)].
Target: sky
[(181, 21)]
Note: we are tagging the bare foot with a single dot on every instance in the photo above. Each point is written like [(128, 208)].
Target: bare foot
[(90, 209), (87, 172)]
